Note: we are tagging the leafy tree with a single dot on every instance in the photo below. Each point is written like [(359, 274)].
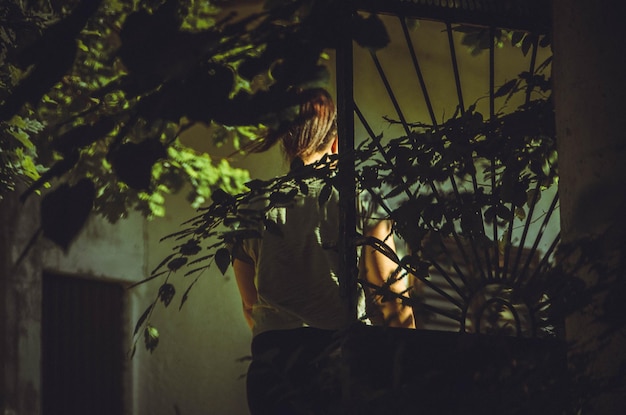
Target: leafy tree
[(95, 95)]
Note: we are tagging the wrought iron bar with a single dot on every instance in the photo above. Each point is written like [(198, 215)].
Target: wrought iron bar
[(459, 200), (418, 71), (457, 81), (561, 284), (533, 60), (389, 90), (455, 67), (544, 261), (542, 265), (346, 173), (508, 244), (539, 236), (379, 145), (522, 242), (449, 280), (471, 238), (492, 114), (482, 224), (440, 311)]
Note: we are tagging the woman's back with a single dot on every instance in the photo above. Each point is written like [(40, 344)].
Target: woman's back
[(296, 265)]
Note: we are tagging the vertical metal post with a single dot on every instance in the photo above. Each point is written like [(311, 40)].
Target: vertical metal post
[(346, 184), (346, 174)]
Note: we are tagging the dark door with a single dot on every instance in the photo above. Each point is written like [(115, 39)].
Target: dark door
[(82, 346)]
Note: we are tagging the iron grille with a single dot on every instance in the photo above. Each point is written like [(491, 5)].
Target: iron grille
[(501, 277)]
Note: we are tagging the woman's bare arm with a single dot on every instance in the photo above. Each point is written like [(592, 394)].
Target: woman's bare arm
[(244, 274), (378, 268)]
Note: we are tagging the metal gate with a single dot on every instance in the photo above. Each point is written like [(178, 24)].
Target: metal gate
[(470, 183)]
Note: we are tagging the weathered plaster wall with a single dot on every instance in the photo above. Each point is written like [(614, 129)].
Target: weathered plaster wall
[(20, 290), (589, 67), (101, 251), (196, 366)]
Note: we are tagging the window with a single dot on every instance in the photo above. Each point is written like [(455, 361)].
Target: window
[(82, 346)]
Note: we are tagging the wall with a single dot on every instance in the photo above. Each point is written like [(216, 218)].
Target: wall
[(589, 94), (20, 319), (196, 366), (101, 251)]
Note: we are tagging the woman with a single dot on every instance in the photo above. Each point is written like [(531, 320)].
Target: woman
[(288, 279)]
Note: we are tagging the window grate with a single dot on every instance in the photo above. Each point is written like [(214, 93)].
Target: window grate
[(82, 346)]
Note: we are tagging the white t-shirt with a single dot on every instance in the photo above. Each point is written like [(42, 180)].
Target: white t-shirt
[(296, 265)]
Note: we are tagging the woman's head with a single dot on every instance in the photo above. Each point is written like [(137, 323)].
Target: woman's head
[(314, 129), (311, 132)]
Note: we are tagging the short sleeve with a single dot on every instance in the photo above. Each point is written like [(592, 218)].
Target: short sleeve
[(238, 252)]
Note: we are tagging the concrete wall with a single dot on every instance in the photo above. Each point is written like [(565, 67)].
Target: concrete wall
[(114, 253), (196, 366), (20, 319), (589, 94)]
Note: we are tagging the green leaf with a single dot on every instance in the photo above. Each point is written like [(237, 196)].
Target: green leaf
[(176, 263), (503, 212), (150, 278), (151, 337), (545, 40), (304, 188), (83, 135), (255, 184), (526, 44), (183, 300), (505, 89), (23, 138), (490, 214), (133, 162), (222, 259), (189, 248), (296, 164), (143, 318), (195, 270), (370, 32), (220, 196), (272, 227), (324, 195), (282, 198), (161, 264), (65, 211), (166, 293), (517, 37)]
